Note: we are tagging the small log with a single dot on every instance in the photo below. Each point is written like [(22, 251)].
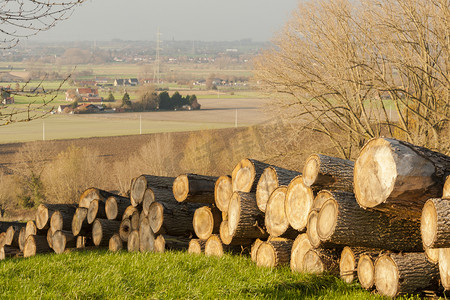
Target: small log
[(397, 177), (125, 229), (9, 251), (206, 221), (299, 200), (149, 198), (129, 212), (22, 238), (349, 260), (12, 235), (115, 243), (215, 247), (143, 182), (271, 178), (435, 223), (254, 249), (133, 241), (196, 246), (222, 192), (35, 244), (80, 225), (168, 242), (276, 222), (146, 236), (96, 210), (103, 230), (318, 261), (45, 211), (62, 240), (327, 172), (274, 253), (366, 270), (228, 239), (406, 273), (135, 220), (432, 254), (92, 193), (300, 246), (246, 174), (194, 188), (341, 221), (62, 220), (313, 235), (245, 220), (50, 237), (115, 207)]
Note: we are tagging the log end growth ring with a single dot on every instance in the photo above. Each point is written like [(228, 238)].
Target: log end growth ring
[(203, 222), (213, 246), (138, 188), (428, 223), (366, 271), (234, 213), (386, 276), (266, 255), (180, 188), (222, 192), (243, 176), (347, 265), (267, 183), (298, 203), (311, 170), (275, 217), (327, 218), (41, 216), (156, 216)]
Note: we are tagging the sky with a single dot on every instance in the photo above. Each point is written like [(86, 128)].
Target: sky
[(205, 20)]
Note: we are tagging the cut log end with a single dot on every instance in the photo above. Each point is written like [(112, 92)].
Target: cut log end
[(42, 217), (347, 265), (366, 271), (125, 229), (214, 246), (243, 176), (428, 223), (312, 263), (97, 232), (115, 243), (149, 198), (203, 222), (92, 211), (311, 170), (275, 218), (180, 188), (156, 216), (300, 247), (311, 230), (386, 276), (133, 241), (234, 213), (326, 220), (160, 244), (266, 255), (222, 192), (254, 249), (138, 187), (299, 200), (444, 267), (196, 246), (267, 183)]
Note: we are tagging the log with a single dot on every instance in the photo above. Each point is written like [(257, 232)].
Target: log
[(12, 235), (8, 251), (2, 239), (103, 230), (341, 221), (313, 235), (299, 200), (435, 223), (143, 182), (5, 225), (45, 211), (62, 240), (274, 253), (222, 192), (96, 210), (215, 247), (245, 220), (406, 273), (254, 249), (135, 220), (446, 189), (115, 206), (432, 254), (168, 242), (194, 188), (271, 178), (246, 174), (129, 212), (318, 261), (50, 237), (196, 246), (22, 238), (84, 242), (115, 243), (276, 222), (62, 220), (327, 172), (228, 239), (300, 246), (348, 262), (366, 270), (397, 177), (206, 221), (133, 241), (146, 236), (35, 244), (125, 229), (92, 193), (80, 225), (444, 267), (149, 198)]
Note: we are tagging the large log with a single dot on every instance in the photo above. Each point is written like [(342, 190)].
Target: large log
[(366, 270), (143, 182), (92, 193), (168, 242), (407, 273), (435, 223), (62, 240), (62, 220), (277, 224), (300, 246), (115, 243), (196, 246), (228, 239), (133, 241), (35, 244), (318, 261), (327, 172), (299, 200), (206, 221), (398, 177), (146, 236), (79, 222), (274, 253), (271, 178), (45, 211), (245, 220), (341, 221), (96, 210), (223, 190), (103, 230), (194, 188), (246, 174), (115, 206), (348, 262)]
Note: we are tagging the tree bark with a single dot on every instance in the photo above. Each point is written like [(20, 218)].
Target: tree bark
[(168, 242), (246, 174), (274, 253), (80, 225), (299, 200), (62, 220), (435, 223), (194, 188), (227, 239), (125, 229), (349, 260), (206, 221), (146, 236), (276, 222), (143, 182), (223, 190), (92, 193), (35, 244), (271, 178), (115, 243), (405, 273), (96, 210), (245, 220), (196, 246), (133, 241), (300, 246), (103, 230), (45, 211), (366, 270), (115, 207), (327, 172), (341, 221), (397, 177), (62, 240), (318, 261)]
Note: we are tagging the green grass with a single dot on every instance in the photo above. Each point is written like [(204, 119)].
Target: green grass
[(172, 275)]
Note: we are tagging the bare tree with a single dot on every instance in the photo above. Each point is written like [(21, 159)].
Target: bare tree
[(354, 70)]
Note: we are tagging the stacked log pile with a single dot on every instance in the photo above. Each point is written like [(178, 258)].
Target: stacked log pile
[(383, 220)]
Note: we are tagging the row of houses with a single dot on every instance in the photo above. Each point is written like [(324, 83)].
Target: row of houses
[(83, 94)]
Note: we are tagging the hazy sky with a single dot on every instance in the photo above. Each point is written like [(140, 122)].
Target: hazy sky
[(208, 20)]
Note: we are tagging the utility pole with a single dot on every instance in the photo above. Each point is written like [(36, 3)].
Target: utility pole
[(156, 73)]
